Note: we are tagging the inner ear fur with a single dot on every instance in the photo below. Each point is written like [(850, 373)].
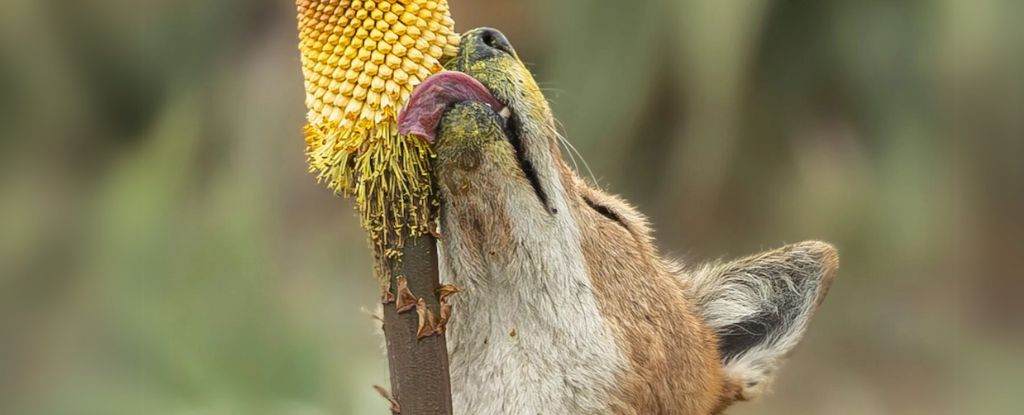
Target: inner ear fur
[(760, 307)]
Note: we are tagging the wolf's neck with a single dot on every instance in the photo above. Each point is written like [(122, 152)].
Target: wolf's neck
[(528, 317)]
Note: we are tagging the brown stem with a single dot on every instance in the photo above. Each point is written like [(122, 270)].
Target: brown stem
[(418, 367)]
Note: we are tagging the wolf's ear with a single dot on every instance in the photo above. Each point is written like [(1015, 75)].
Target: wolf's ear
[(760, 306)]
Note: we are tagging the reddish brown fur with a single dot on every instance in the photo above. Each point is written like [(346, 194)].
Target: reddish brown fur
[(673, 355)]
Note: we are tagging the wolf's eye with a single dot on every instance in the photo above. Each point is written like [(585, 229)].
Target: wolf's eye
[(605, 211)]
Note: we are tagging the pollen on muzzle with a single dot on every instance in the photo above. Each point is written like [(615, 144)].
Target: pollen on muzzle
[(422, 114)]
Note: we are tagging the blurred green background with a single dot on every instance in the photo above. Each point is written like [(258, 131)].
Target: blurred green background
[(164, 251)]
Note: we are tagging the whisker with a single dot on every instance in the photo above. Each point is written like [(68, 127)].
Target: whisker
[(561, 140), (562, 143), (570, 148), (549, 89)]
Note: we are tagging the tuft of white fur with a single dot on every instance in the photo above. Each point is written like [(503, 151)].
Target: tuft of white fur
[(788, 282)]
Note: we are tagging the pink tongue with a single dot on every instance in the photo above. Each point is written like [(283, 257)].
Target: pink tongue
[(431, 98)]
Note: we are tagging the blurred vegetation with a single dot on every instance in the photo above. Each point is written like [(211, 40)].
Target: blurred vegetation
[(163, 250)]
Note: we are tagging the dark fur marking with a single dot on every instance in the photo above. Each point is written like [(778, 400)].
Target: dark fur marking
[(525, 165), (735, 339), (605, 211)]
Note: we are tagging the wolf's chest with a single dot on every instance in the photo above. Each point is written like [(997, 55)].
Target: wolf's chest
[(537, 353)]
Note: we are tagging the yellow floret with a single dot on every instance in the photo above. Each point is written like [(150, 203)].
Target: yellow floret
[(361, 61)]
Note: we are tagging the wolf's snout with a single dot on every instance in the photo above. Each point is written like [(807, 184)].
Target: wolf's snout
[(484, 42)]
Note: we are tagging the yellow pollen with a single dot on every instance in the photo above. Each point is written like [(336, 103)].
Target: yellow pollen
[(361, 61)]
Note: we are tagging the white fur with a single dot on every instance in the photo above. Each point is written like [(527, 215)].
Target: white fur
[(562, 359), (740, 291)]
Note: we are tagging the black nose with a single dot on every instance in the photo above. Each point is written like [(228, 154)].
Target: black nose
[(490, 40)]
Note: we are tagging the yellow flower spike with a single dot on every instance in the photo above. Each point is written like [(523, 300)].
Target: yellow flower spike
[(361, 61)]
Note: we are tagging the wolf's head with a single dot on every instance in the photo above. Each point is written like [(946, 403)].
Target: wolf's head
[(579, 265)]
